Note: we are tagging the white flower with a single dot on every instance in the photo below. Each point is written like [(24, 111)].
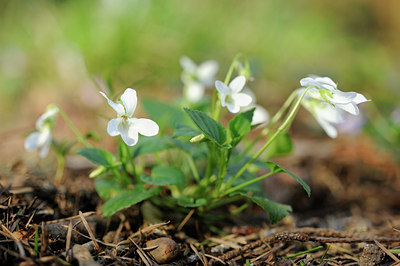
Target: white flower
[(197, 78), (231, 96), (324, 89), (325, 114), (260, 115), (41, 139), (125, 125)]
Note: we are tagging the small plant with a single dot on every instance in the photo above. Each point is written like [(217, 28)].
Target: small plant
[(200, 161)]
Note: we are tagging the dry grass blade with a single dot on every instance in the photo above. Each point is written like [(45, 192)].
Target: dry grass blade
[(224, 242), (215, 258), (184, 221), (68, 242), (197, 253), (146, 260), (85, 214), (85, 223), (142, 231), (390, 254)]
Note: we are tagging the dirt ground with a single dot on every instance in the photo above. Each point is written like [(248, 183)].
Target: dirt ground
[(352, 217)]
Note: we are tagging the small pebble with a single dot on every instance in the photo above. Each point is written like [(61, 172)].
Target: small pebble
[(165, 249)]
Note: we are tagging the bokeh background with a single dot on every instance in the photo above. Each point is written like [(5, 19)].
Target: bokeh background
[(64, 51)]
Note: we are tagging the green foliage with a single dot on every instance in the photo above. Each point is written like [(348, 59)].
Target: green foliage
[(276, 211), (239, 126), (107, 187), (98, 156), (127, 198), (212, 129), (281, 146), (162, 175), (182, 130), (278, 169), (149, 145), (189, 202), (167, 116)]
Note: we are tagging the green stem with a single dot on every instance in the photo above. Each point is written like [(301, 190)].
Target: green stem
[(78, 134), (273, 121), (247, 183), (240, 208), (281, 111), (60, 167), (221, 202), (193, 168), (130, 160), (281, 129)]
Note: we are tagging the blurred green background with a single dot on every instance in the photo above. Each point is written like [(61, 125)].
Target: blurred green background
[(64, 51)]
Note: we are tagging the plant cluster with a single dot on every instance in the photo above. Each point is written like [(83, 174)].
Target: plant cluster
[(191, 158)]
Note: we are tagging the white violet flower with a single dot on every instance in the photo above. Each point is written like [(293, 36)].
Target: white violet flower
[(260, 115), (41, 138), (325, 114), (324, 89), (197, 78), (231, 95), (125, 125)]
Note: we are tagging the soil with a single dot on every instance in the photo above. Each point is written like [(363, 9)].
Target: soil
[(352, 218)]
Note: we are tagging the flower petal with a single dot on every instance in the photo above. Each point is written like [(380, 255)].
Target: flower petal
[(146, 127), (119, 108), (328, 128), (360, 99), (32, 141), (187, 64), (260, 115), (194, 91), (349, 107), (326, 83), (237, 84), (206, 72), (319, 82), (45, 148), (222, 88), (242, 99), (342, 97), (130, 135), (233, 107), (129, 99), (113, 127), (48, 114)]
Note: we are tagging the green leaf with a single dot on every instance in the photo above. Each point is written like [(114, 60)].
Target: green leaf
[(165, 115), (107, 188), (190, 202), (210, 128), (165, 175), (276, 211), (282, 145), (127, 198), (147, 145), (98, 156), (182, 130), (240, 125), (278, 169), (195, 150)]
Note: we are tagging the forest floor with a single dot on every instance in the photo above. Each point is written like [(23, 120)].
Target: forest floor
[(352, 218)]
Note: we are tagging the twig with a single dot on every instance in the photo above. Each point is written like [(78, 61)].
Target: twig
[(197, 253), (68, 242), (85, 223), (146, 260), (185, 220), (390, 254), (86, 214)]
